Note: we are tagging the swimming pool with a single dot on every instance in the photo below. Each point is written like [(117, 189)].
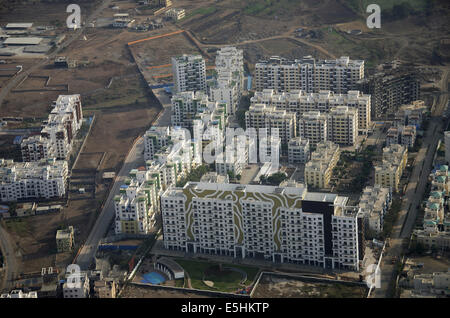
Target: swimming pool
[(153, 278)]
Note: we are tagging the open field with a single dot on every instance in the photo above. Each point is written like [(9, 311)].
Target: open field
[(134, 291), (271, 286)]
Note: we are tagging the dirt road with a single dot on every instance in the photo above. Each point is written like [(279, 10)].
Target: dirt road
[(11, 264)]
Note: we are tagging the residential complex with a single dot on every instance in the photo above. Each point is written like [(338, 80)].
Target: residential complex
[(136, 204), (58, 133), (436, 221), (374, 204), (312, 126), (319, 169), (342, 125), (301, 102), (280, 224), (188, 106), (390, 88), (229, 84), (269, 117), (307, 74), (403, 135), (189, 73), (298, 150), (43, 179), (154, 140), (389, 172)]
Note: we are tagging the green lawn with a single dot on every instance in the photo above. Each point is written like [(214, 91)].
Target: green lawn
[(226, 281)]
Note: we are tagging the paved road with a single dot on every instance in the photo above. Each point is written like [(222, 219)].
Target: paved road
[(404, 226), (11, 264)]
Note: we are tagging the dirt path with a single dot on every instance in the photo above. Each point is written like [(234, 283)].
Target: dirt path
[(11, 263)]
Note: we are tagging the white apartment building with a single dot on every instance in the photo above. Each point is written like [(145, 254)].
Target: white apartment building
[(319, 169), (229, 84), (263, 116), (342, 125), (300, 102), (239, 220), (189, 73), (340, 75), (225, 90), (76, 285), (312, 126), (44, 179), (175, 14), (154, 139), (135, 205), (374, 204), (235, 157), (58, 132), (389, 172), (298, 150), (187, 106)]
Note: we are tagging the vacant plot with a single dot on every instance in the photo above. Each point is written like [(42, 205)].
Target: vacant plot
[(218, 277), (275, 287), (135, 291)]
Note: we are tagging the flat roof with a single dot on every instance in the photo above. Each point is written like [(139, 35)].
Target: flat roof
[(18, 25), (23, 41)]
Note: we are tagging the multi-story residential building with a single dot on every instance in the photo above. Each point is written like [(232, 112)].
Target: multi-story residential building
[(225, 90), (175, 14), (312, 126), (229, 84), (279, 224), (298, 150), (58, 132), (65, 240), (403, 135), (189, 73), (301, 102), (390, 88), (389, 172), (269, 117), (436, 221), (411, 114), (154, 139), (136, 204), (76, 285), (235, 157), (340, 75), (374, 203), (319, 169), (44, 179), (342, 125), (187, 106)]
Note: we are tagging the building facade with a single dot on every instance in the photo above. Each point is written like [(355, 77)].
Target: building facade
[(44, 179), (319, 169), (287, 225), (189, 73), (340, 75)]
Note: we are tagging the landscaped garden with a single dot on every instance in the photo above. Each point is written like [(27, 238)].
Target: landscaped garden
[(218, 276)]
